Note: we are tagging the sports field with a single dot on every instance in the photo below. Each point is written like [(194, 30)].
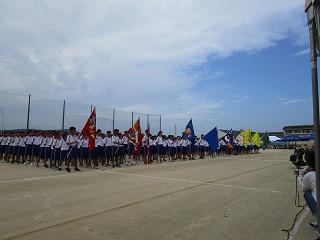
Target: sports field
[(239, 197)]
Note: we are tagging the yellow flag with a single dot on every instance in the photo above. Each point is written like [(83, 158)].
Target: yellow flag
[(256, 140), (246, 137)]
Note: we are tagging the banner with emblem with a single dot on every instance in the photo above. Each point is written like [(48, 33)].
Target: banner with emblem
[(89, 130), (189, 132)]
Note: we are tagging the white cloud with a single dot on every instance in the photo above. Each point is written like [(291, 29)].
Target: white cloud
[(302, 52), (287, 101), (132, 53)]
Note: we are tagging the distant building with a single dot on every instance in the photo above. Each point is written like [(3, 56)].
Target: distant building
[(300, 130)]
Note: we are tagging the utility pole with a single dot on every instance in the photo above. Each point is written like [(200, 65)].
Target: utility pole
[(312, 10)]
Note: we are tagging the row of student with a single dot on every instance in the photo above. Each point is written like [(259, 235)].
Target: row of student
[(30, 147), (58, 148)]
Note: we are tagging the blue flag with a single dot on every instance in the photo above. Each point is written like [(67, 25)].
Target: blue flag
[(212, 139), (189, 132)]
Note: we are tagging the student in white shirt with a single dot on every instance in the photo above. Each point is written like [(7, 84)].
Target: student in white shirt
[(8, 142), (48, 149), (15, 147), (43, 146), (12, 146), (108, 145), (202, 146), (64, 151), (307, 181), (72, 141), (161, 147), (56, 148), (116, 144), (98, 152), (153, 147), (36, 147), (184, 148), (3, 146), (84, 155), (29, 146)]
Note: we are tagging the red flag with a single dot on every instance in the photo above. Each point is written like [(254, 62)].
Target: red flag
[(89, 129), (134, 135)]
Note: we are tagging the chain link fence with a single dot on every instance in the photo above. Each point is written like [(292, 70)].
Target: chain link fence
[(30, 112)]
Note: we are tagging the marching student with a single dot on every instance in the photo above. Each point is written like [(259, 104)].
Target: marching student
[(29, 147), (146, 147), (48, 149), (125, 142), (202, 146), (116, 148), (79, 151), (197, 146), (15, 153), (184, 147), (104, 149), (99, 150), (43, 146), (36, 147), (173, 148), (84, 156), (179, 151), (56, 150), (7, 147), (12, 147), (22, 148), (191, 150), (72, 141), (3, 146), (64, 151), (223, 147), (161, 147), (121, 151), (108, 145), (153, 147)]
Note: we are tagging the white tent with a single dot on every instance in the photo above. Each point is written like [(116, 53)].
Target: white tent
[(274, 138)]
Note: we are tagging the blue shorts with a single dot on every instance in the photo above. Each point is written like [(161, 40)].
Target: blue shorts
[(131, 149), (184, 150), (36, 150), (29, 149), (109, 151), (116, 151), (22, 151), (42, 152), (202, 149), (153, 150), (84, 153), (63, 155), (173, 151), (2, 149), (73, 154), (56, 154), (48, 153)]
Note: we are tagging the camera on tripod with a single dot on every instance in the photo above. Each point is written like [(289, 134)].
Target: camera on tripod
[(297, 158)]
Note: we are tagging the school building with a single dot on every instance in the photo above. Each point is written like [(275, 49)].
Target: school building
[(301, 130)]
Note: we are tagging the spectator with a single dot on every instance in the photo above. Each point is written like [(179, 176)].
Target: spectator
[(307, 180)]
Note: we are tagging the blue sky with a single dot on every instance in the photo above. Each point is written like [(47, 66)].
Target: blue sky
[(267, 89), (211, 60)]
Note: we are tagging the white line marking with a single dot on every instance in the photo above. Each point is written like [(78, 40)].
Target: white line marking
[(198, 182), (34, 178), (147, 176)]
